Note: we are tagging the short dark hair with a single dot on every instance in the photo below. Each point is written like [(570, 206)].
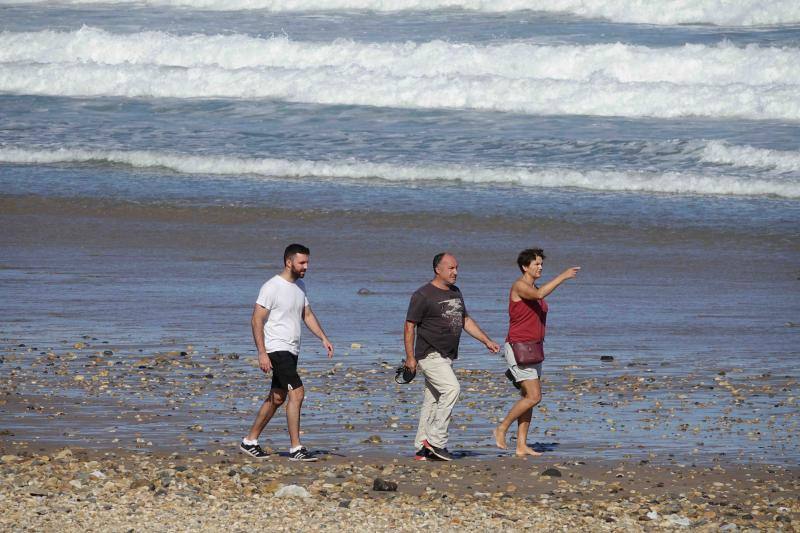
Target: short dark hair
[(294, 249), (438, 259), (527, 256)]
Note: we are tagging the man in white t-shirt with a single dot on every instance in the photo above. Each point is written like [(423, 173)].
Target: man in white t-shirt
[(281, 306)]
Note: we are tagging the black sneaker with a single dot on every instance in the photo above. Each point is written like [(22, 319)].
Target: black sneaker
[(439, 453), (301, 455), (253, 450), (510, 376), (422, 454)]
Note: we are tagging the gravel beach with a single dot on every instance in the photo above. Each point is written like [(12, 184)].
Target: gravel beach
[(81, 490)]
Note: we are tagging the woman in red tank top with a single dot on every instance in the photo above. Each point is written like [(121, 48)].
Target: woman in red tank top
[(527, 318)]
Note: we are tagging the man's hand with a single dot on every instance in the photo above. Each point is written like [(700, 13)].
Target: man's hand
[(328, 346), (264, 363), (492, 346), (411, 364)]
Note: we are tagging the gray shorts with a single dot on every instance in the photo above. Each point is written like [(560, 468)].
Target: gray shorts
[(521, 373)]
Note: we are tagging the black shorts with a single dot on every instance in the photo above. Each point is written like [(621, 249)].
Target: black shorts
[(284, 371)]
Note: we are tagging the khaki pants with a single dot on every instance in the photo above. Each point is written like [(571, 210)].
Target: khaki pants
[(441, 392)]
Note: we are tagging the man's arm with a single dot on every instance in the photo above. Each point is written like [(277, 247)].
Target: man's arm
[(257, 322), (314, 326), (472, 327), (537, 293), (408, 341)]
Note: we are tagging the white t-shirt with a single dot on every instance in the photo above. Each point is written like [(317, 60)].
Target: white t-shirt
[(285, 302)]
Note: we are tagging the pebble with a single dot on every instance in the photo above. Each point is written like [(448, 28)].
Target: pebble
[(292, 491), (383, 485)]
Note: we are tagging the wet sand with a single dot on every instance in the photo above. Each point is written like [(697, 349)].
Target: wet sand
[(90, 393)]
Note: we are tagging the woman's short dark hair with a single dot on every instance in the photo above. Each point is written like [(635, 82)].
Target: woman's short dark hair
[(527, 256), (294, 249)]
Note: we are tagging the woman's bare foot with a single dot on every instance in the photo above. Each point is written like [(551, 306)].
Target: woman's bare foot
[(499, 438), (527, 450)]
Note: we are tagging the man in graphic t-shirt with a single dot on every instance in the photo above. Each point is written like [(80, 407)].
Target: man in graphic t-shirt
[(436, 316), (281, 306)]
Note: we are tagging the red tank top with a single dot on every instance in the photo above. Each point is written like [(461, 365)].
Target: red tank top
[(526, 320)]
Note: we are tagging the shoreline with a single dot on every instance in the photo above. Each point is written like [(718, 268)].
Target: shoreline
[(179, 397), (78, 489)]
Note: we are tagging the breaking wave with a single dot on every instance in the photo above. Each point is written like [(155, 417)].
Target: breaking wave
[(652, 182), (685, 65), (749, 156), (607, 80)]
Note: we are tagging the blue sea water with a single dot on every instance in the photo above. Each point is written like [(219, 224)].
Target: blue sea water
[(661, 155)]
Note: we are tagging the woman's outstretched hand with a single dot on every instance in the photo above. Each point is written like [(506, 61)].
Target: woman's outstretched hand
[(570, 272)]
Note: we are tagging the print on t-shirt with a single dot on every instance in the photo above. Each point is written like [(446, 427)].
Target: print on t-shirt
[(453, 313)]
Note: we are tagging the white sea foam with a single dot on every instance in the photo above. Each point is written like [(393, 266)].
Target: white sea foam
[(716, 81), (720, 64), (749, 156), (669, 182), (355, 86), (719, 12)]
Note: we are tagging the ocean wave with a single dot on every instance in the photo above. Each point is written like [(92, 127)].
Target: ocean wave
[(353, 84), (720, 64), (650, 182), (665, 12), (749, 156)]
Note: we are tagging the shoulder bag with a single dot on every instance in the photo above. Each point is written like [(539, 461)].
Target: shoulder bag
[(528, 353)]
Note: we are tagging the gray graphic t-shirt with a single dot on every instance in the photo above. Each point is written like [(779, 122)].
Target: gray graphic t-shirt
[(439, 316)]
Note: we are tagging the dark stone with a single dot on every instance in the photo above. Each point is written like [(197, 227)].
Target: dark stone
[(384, 486), (606, 358), (364, 292), (233, 356), (345, 504), (551, 472), (108, 352)]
